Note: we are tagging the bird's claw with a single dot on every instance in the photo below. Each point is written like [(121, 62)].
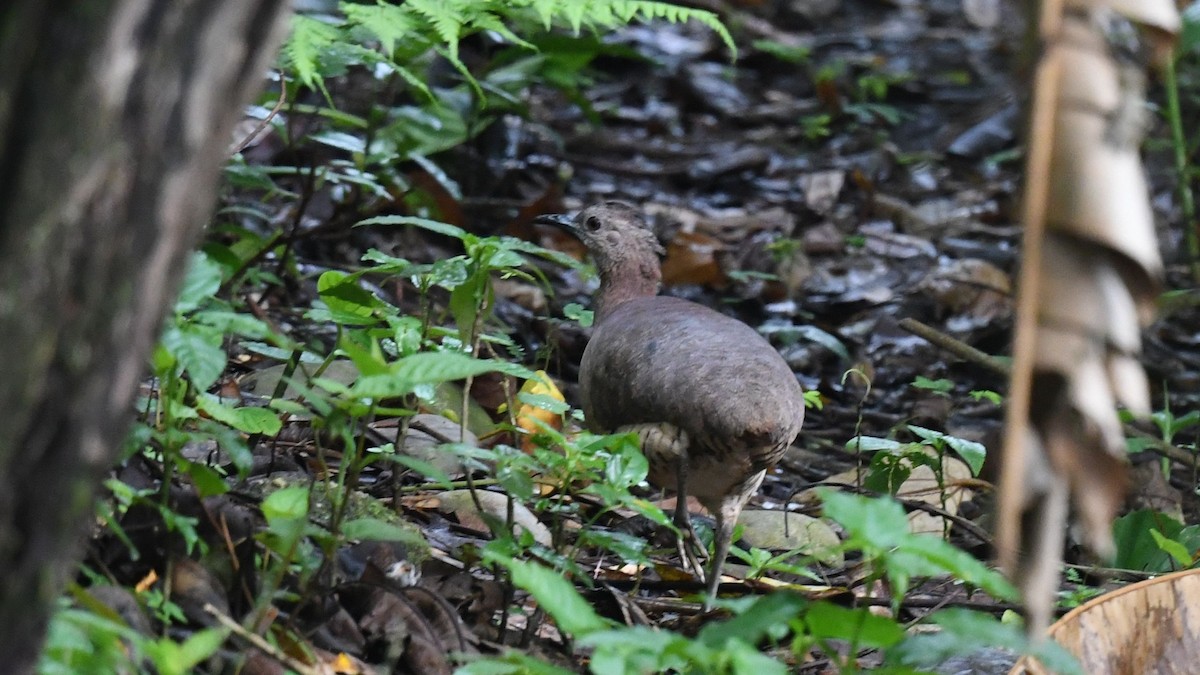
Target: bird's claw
[(691, 550)]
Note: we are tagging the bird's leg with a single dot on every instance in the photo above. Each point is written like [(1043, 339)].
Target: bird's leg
[(690, 549), (726, 513), (726, 516)]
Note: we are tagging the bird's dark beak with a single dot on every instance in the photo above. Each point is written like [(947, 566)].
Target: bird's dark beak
[(560, 220)]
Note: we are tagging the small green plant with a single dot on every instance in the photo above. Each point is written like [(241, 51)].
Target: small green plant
[(986, 395), (894, 460), (876, 529), (98, 640), (1150, 541), (941, 387), (1069, 599)]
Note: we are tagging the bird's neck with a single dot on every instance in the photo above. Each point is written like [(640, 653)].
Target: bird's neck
[(624, 285)]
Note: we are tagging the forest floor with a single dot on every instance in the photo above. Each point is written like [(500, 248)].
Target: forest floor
[(856, 169)]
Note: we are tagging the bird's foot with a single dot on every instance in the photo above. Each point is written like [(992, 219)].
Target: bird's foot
[(691, 550)]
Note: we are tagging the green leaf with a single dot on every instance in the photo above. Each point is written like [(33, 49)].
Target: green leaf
[(941, 386), (765, 617), (236, 323), (783, 52), (309, 38), (348, 303), (286, 504), (467, 300), (340, 140), (368, 360), (1172, 548), (425, 223), (544, 402), (375, 529), (200, 285), (864, 629), (971, 452), (986, 395), (964, 631), (556, 595), (876, 524), (172, 658), (1136, 547), (872, 444), (576, 312), (198, 351), (823, 338), (245, 419), (626, 467), (207, 481), (429, 368), (947, 557)]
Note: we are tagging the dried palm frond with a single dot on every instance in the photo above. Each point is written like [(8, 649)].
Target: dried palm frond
[(1090, 277)]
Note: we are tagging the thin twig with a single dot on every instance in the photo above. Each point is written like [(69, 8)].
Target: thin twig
[(266, 120), (259, 643), (956, 347)]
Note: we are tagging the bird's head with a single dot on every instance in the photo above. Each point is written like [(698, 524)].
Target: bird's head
[(617, 237)]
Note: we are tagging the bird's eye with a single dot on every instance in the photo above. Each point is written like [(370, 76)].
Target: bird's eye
[(591, 224)]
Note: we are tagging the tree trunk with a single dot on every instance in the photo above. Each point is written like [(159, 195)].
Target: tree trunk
[(115, 116)]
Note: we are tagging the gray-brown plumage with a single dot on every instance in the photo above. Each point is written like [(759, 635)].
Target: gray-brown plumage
[(712, 401)]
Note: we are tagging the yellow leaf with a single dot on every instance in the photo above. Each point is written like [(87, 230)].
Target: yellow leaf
[(528, 415)]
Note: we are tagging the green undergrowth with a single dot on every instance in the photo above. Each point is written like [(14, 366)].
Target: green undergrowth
[(438, 75)]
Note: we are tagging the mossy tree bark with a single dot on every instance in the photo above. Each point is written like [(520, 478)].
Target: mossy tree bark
[(115, 116)]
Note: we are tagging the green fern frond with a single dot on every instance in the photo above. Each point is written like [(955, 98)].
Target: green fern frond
[(309, 39), (648, 10), (493, 23), (545, 11), (389, 24), (445, 18)]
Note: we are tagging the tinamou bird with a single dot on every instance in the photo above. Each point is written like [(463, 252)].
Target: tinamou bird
[(713, 403)]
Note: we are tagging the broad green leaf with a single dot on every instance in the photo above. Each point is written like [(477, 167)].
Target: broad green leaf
[(940, 386), (207, 481), (964, 631), (823, 338), (425, 223), (179, 658), (245, 419), (544, 402), (198, 351), (876, 524), (1172, 548), (864, 629), (200, 285), (557, 596), (626, 467), (971, 452), (949, 558), (237, 323), (576, 312), (872, 444), (348, 303), (429, 368), (375, 529), (1136, 547), (341, 140), (367, 360), (765, 617), (286, 504)]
